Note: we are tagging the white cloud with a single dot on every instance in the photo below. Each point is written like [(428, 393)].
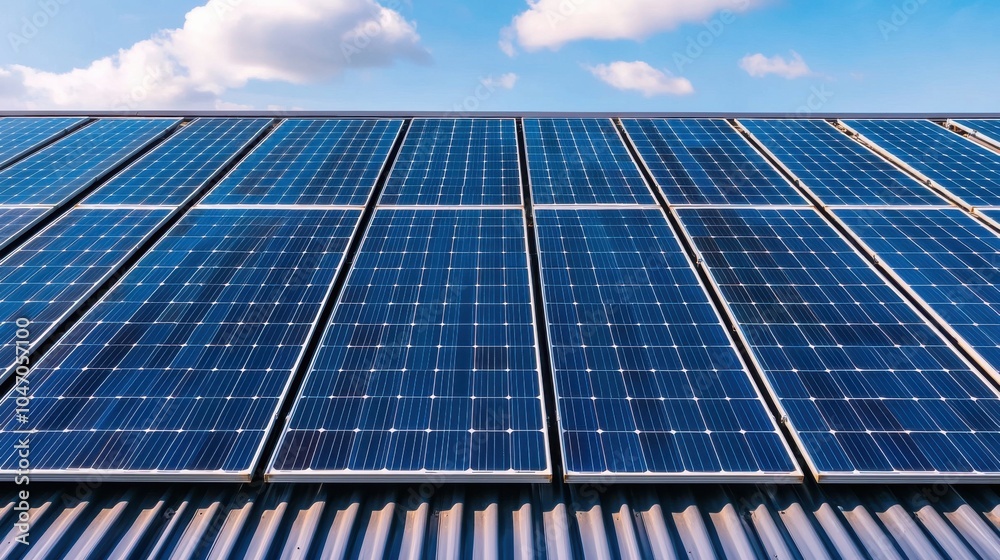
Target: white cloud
[(640, 76), (505, 81), (553, 23), (758, 66), (223, 45)]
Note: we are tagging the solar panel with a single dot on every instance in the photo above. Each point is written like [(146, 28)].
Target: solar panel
[(870, 391), (648, 384), (705, 161), (307, 161), (838, 170), (19, 136), (176, 169), (969, 171), (455, 162), (429, 364), (14, 219), (73, 163), (949, 259), (581, 161), (179, 370), (48, 277), (988, 127)]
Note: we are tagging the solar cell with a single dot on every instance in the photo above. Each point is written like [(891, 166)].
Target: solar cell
[(429, 364), (987, 127), (48, 277), (870, 391), (20, 135), (73, 163), (176, 169), (14, 219), (456, 161), (306, 161), (581, 161), (705, 161), (949, 259), (178, 371), (969, 171), (649, 385), (838, 170)]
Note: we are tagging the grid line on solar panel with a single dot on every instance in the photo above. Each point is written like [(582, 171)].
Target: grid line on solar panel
[(705, 161), (429, 363), (949, 259), (990, 128), (20, 135), (648, 384), (15, 219), (968, 171), (73, 163), (836, 169), (450, 162), (178, 167), (581, 161), (305, 161), (870, 390), (50, 275), (179, 370)]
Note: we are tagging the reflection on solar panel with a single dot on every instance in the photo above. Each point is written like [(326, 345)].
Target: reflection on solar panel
[(581, 161), (949, 259), (178, 371), (322, 162), (429, 363), (174, 170), (988, 127), (835, 168), (705, 161), (20, 135), (648, 383), (452, 162), (870, 390), (13, 220), (969, 171), (73, 163), (52, 273)]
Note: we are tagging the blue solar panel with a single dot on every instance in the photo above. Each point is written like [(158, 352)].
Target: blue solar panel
[(838, 170), (647, 381), (949, 259), (869, 389), (178, 371), (176, 169), (456, 161), (20, 135), (581, 161), (322, 162), (73, 163), (969, 171), (987, 127), (429, 363), (14, 219), (51, 274), (705, 161)]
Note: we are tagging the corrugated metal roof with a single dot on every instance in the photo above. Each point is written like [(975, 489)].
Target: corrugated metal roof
[(484, 522)]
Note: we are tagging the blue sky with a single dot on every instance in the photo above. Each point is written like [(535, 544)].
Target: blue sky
[(783, 56)]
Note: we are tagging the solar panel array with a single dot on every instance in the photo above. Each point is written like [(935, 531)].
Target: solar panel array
[(986, 127), (705, 161), (838, 170), (19, 136), (968, 171), (356, 300)]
